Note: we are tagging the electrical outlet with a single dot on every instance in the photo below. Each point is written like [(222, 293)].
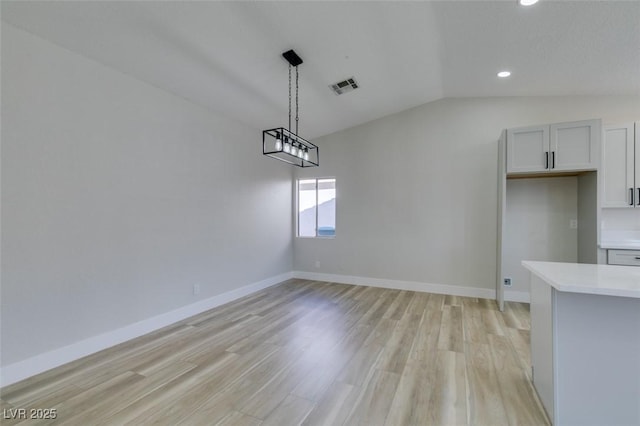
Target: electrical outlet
[(196, 289), (507, 282), (317, 263), (573, 224)]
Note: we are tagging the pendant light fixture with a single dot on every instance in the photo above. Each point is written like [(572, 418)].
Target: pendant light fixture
[(283, 144)]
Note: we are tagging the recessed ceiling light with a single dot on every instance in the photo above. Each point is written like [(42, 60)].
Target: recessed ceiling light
[(527, 2), (504, 74)]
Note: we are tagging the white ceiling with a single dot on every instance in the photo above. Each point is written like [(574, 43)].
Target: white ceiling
[(226, 55)]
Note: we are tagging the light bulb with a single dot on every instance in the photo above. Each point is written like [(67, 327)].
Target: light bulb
[(527, 2), (306, 155), (300, 153), (278, 143), (294, 151), (287, 148)]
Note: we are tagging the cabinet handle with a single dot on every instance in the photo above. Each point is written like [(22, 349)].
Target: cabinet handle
[(631, 196), (637, 257), (546, 159), (638, 199), (553, 159)]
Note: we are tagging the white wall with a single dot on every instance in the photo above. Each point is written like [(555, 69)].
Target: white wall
[(588, 218), (537, 225), (416, 191), (117, 197), (620, 219)]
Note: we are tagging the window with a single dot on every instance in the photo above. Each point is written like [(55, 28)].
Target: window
[(317, 208)]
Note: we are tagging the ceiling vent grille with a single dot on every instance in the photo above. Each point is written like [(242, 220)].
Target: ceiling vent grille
[(344, 86)]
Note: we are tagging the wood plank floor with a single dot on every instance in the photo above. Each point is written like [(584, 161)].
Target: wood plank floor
[(306, 352)]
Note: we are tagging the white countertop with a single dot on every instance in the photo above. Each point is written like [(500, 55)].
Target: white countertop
[(606, 280)]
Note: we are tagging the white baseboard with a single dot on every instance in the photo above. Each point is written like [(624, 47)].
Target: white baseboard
[(453, 290), (516, 296), (20, 370)]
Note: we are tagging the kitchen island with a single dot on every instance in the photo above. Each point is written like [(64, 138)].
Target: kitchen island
[(585, 342)]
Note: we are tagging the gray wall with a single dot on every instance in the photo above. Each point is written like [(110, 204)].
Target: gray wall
[(416, 191), (118, 197)]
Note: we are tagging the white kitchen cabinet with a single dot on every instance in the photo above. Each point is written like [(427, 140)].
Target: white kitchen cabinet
[(623, 257), (621, 166), (561, 147)]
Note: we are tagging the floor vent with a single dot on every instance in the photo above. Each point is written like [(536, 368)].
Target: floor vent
[(344, 86)]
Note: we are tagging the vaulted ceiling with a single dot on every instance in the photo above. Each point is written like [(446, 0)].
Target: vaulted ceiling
[(226, 55)]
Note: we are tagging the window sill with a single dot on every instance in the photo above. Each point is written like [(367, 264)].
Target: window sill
[(321, 237)]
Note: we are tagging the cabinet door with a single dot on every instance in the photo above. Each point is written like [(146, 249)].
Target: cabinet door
[(527, 149), (618, 166), (575, 146)]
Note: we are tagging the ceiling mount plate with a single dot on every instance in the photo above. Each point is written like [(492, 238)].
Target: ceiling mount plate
[(292, 57)]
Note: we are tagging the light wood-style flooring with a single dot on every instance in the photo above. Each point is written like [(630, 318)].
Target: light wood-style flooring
[(306, 352)]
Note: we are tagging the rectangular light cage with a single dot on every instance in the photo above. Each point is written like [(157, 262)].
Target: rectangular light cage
[(286, 146)]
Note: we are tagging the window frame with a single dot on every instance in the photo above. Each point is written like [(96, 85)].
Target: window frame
[(297, 207)]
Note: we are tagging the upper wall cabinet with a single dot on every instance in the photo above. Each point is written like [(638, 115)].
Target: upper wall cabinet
[(558, 147), (621, 166)]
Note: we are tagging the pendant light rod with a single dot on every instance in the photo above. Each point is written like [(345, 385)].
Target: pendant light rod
[(290, 97), (297, 108), (294, 60)]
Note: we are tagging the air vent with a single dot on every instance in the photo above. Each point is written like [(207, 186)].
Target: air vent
[(344, 86)]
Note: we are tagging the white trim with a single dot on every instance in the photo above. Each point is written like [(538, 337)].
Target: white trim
[(517, 296), (454, 290), (20, 370)]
